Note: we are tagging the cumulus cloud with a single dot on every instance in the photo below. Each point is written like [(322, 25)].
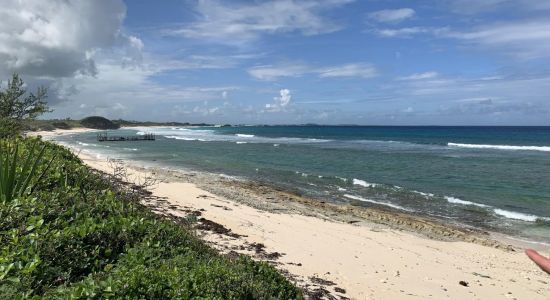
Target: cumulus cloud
[(280, 103), (392, 15), (59, 38), (237, 23), (133, 88), (270, 72)]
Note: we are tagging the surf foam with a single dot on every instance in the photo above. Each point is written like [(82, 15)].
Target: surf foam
[(377, 202), (463, 202), (501, 147), (518, 216), (363, 183)]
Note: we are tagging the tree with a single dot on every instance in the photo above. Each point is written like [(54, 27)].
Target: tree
[(18, 106)]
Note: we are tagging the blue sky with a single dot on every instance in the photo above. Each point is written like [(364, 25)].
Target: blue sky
[(447, 62)]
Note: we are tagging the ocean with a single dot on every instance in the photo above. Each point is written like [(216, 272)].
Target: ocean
[(493, 178)]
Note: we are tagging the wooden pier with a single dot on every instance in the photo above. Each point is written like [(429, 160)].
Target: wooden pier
[(103, 137)]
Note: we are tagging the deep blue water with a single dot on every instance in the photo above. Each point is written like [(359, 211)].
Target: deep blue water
[(490, 177)]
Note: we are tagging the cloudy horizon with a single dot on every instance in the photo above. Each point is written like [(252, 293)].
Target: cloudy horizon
[(451, 62)]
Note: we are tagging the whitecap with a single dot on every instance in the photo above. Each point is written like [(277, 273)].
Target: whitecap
[(463, 202), (244, 135), (518, 216), (501, 147), (342, 178), (376, 202), (175, 137), (427, 195), (363, 183)]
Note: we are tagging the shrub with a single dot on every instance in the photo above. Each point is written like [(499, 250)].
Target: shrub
[(18, 106), (61, 125), (79, 236)]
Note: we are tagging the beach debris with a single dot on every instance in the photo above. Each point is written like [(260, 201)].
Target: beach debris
[(321, 281), (259, 249), (205, 224), (480, 275), (339, 290), (463, 283), (318, 294), (221, 206)]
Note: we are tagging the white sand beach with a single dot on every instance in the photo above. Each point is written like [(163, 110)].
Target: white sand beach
[(363, 260)]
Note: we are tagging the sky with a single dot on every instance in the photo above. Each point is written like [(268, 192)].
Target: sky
[(368, 62)]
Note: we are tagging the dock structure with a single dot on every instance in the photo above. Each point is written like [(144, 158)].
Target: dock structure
[(103, 137)]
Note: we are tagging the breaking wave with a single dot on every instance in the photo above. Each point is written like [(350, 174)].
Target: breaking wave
[(501, 147)]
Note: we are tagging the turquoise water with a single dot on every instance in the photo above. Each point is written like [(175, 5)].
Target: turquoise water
[(489, 177)]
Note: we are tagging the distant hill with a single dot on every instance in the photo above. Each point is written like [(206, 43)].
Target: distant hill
[(150, 123), (97, 122)]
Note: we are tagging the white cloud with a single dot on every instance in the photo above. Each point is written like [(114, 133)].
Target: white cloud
[(280, 103), (407, 31), (270, 72), (471, 7), (349, 70), (59, 38), (237, 23), (522, 39), (132, 88), (527, 40), (392, 15), (420, 76)]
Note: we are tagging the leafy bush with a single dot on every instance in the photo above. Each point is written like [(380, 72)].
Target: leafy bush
[(18, 172), (18, 106), (76, 236), (61, 125)]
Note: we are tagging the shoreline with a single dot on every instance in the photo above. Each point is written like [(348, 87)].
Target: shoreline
[(366, 252)]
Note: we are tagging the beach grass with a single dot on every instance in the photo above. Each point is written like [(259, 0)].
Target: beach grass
[(70, 232)]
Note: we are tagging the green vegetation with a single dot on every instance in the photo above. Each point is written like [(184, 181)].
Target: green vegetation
[(48, 125), (96, 122), (71, 232), (15, 178), (17, 106)]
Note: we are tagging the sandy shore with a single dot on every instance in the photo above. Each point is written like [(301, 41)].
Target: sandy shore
[(350, 252)]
